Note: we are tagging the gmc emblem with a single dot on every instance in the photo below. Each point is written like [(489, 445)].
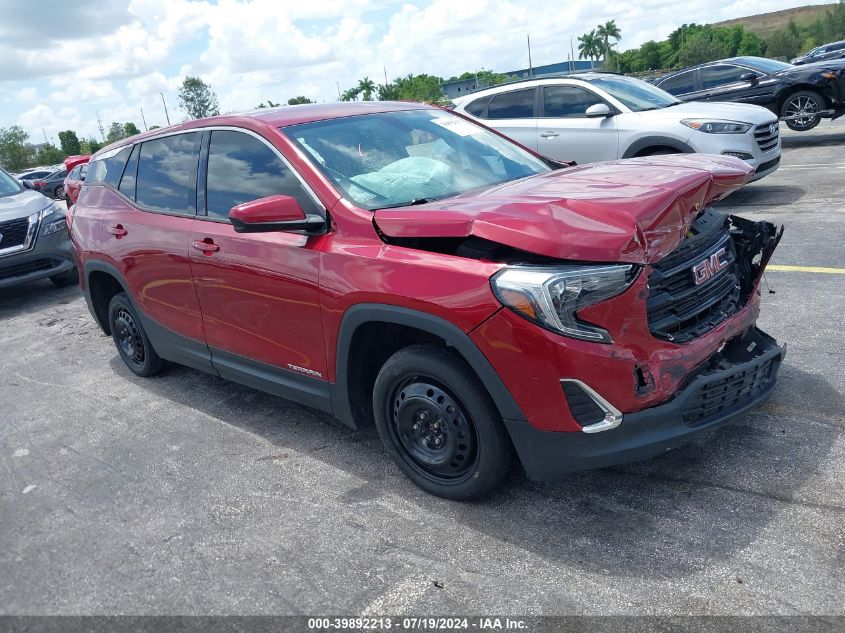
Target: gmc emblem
[(708, 268)]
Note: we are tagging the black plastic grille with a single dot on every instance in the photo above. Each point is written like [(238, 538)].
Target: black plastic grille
[(583, 407), (728, 393), (18, 270), (13, 232), (766, 139), (679, 309)]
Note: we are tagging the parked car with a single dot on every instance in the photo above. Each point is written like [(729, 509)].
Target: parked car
[(398, 264), (52, 185), (34, 241), (594, 117), (27, 177), (801, 95), (834, 50), (73, 182)]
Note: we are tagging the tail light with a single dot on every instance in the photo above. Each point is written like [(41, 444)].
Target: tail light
[(39, 183)]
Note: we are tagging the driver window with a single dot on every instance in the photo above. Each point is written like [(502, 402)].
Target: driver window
[(567, 102)]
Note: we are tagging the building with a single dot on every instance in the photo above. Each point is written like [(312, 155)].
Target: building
[(461, 87)]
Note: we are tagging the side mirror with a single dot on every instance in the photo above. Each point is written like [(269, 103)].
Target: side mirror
[(598, 110), (275, 213), (752, 77)]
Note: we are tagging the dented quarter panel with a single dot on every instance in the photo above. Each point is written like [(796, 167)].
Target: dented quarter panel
[(634, 211)]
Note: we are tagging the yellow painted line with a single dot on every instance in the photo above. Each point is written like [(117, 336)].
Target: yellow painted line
[(806, 269)]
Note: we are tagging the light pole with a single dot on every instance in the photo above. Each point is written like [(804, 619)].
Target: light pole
[(164, 103)]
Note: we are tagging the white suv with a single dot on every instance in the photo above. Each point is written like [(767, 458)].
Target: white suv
[(593, 117)]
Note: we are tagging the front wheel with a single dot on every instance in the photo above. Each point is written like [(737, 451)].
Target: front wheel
[(439, 425), (802, 108)]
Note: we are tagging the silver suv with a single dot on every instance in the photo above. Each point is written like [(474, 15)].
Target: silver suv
[(34, 242), (594, 117)]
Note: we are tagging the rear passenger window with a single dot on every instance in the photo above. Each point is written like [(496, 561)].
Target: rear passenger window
[(518, 104), (681, 84), (242, 168), (167, 173), (109, 167), (127, 182)]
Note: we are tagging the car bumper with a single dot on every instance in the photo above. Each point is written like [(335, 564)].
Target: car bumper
[(711, 398), (52, 255), (763, 154)]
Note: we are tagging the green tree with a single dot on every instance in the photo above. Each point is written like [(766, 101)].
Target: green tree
[(90, 145), (650, 56), (423, 88), (349, 95), (783, 43), (197, 98), (49, 154), (366, 87), (15, 154), (700, 48), (69, 142), (606, 32), (115, 132), (589, 46), (269, 104), (130, 129), (750, 44), (299, 100), (387, 92)]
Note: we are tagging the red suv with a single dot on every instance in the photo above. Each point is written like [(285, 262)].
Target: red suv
[(398, 263)]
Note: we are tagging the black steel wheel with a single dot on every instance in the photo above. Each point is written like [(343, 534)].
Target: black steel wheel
[(439, 425), (132, 343), (801, 110)]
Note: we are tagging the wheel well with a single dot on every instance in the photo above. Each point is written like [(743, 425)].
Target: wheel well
[(102, 287), (372, 344), (656, 148), (798, 88)]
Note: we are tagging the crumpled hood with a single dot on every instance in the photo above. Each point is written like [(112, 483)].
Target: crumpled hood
[(633, 211), (21, 205)]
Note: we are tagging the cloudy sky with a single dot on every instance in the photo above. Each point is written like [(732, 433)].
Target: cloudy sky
[(65, 61)]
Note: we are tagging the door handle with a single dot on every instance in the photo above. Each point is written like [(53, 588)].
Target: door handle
[(549, 134), (118, 231), (207, 246)]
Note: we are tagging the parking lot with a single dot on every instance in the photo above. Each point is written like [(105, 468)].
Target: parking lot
[(188, 494)]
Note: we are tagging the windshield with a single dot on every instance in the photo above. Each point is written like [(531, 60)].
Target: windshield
[(394, 159), (634, 93), (764, 65), (8, 185)]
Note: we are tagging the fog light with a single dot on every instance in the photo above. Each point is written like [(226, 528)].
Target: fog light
[(740, 155)]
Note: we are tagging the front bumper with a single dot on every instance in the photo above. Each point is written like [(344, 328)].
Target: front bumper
[(51, 255), (731, 382)]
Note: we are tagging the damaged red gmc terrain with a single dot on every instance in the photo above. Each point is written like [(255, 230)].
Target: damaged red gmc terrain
[(398, 263)]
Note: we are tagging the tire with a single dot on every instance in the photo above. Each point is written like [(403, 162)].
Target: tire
[(132, 343), (69, 278), (439, 424), (660, 152), (59, 192), (805, 101)]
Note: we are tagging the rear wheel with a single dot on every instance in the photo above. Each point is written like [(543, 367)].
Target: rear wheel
[(803, 108), (439, 425), (132, 343), (59, 192)]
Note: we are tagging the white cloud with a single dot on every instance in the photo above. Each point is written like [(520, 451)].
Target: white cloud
[(274, 49)]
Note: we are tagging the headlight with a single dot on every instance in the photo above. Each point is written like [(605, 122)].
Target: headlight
[(717, 127), (550, 297), (57, 223)]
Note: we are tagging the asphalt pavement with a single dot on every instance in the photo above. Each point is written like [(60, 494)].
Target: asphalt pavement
[(187, 494)]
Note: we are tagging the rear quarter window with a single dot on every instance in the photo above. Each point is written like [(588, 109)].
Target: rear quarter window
[(679, 84), (108, 168)]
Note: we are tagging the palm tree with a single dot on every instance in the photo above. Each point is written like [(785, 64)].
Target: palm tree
[(589, 46), (367, 87), (605, 32), (350, 95)]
